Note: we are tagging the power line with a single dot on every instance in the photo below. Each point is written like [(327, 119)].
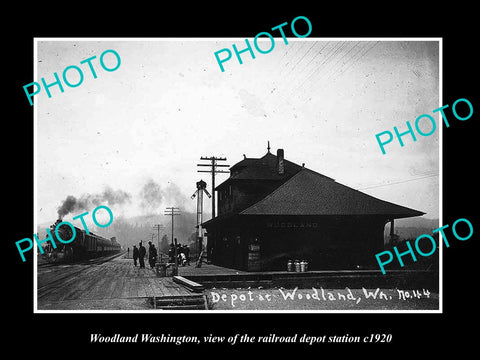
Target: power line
[(299, 60), (357, 60), (304, 74), (398, 182), (314, 57), (326, 61), (335, 68), (296, 49)]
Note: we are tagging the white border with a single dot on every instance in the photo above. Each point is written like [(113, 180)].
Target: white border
[(207, 312), (440, 180), (35, 176)]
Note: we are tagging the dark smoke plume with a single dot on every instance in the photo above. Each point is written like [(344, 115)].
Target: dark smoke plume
[(68, 205), (89, 201)]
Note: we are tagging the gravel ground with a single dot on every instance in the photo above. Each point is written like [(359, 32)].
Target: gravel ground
[(321, 299)]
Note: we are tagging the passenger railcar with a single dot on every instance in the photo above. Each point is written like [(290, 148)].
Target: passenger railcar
[(84, 246)]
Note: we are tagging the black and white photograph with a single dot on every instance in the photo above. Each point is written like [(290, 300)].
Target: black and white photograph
[(240, 179), (292, 194)]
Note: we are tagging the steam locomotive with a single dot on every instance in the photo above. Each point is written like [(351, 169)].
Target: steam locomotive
[(84, 246)]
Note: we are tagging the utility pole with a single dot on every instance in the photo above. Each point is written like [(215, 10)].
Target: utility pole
[(172, 211), (158, 227), (213, 170)]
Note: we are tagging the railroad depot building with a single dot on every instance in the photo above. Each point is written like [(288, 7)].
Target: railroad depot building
[(271, 210)]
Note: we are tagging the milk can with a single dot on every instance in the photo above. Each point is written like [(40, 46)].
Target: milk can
[(297, 266), (302, 266), (290, 265)]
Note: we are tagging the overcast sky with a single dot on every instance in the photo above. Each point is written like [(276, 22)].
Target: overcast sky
[(168, 104)]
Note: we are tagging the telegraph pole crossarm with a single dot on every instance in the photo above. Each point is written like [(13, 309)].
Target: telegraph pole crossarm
[(214, 170)]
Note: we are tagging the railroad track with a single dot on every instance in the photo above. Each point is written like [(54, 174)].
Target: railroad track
[(68, 273)]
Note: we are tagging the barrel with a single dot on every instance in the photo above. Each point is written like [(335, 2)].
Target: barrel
[(161, 269)]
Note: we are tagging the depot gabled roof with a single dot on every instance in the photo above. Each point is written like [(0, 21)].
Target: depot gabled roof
[(310, 193)]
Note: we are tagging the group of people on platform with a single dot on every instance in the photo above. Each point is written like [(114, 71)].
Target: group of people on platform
[(139, 253), (183, 254)]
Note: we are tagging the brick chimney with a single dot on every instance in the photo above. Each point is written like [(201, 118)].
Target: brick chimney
[(280, 162)]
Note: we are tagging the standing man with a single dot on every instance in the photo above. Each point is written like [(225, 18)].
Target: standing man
[(141, 255), (152, 256), (186, 251), (149, 251), (135, 255)]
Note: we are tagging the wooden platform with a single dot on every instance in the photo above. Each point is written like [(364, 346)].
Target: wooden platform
[(118, 285), (216, 276), (116, 281)]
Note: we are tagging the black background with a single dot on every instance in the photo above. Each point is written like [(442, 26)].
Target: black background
[(413, 334)]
